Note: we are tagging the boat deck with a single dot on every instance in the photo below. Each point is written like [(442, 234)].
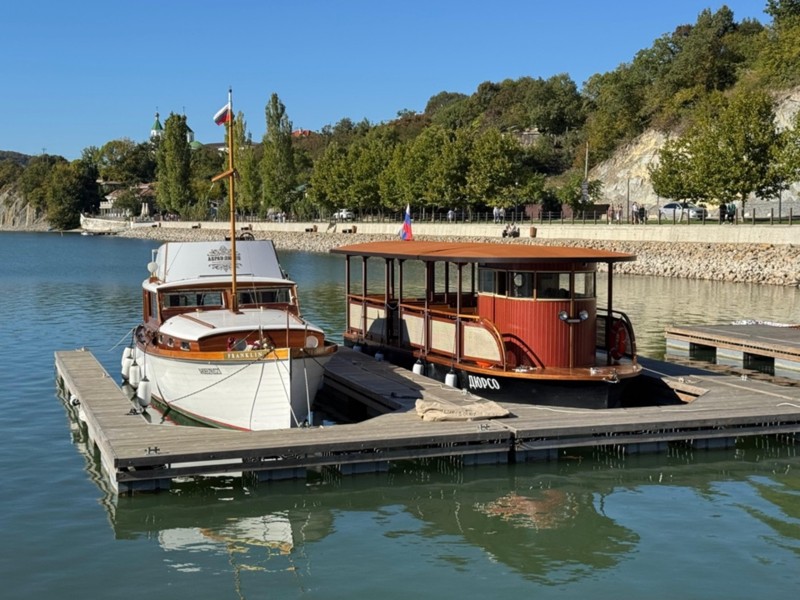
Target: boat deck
[(136, 455)]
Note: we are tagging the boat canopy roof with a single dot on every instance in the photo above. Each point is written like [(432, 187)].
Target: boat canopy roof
[(482, 252), (187, 262), (202, 324)]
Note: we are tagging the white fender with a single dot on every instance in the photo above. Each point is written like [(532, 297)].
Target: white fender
[(451, 379), (126, 367), (143, 394), (134, 375)]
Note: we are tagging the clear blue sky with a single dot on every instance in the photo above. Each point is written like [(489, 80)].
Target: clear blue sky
[(80, 73)]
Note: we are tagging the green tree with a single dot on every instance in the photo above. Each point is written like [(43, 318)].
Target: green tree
[(330, 181), (368, 157), (278, 174), (554, 106), (416, 172), (449, 168), (205, 163), (10, 172), (492, 173), (247, 158), (441, 101), (675, 176), (571, 191), (71, 189), (126, 161), (778, 63), (782, 10), (727, 153), (734, 148), (128, 202), (616, 101), (173, 159), (35, 180)]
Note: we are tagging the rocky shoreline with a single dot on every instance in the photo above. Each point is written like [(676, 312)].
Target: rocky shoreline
[(767, 264)]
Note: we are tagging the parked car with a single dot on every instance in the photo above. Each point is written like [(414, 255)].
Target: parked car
[(344, 214), (676, 210)]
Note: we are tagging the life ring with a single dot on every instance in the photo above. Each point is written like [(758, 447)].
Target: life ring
[(619, 340)]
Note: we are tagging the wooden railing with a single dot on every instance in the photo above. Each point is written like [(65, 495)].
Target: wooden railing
[(441, 330)]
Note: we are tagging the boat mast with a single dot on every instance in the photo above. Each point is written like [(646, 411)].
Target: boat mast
[(230, 174)]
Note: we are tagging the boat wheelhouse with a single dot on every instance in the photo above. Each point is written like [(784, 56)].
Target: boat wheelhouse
[(510, 322)]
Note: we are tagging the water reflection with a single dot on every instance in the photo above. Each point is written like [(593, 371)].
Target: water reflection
[(532, 531), (549, 523)]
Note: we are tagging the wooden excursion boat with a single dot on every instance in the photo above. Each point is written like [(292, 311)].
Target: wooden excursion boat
[(509, 322), (222, 340)]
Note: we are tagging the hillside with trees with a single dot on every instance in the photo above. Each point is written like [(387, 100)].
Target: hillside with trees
[(709, 87)]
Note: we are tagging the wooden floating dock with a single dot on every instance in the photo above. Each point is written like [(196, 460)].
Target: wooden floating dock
[(758, 347), (136, 455)]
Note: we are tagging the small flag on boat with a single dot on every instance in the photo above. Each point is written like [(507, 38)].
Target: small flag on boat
[(223, 115), (405, 231)]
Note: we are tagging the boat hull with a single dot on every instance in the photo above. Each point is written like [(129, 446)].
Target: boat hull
[(248, 394), (100, 226), (595, 393), (111, 225)]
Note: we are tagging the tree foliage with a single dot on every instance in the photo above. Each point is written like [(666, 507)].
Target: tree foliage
[(10, 172), (126, 162), (173, 159), (728, 152), (35, 180), (782, 11), (278, 173), (492, 175), (71, 189)]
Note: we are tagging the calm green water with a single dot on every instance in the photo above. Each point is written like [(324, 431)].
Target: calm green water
[(688, 524)]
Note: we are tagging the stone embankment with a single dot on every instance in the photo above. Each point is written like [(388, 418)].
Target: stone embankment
[(770, 264)]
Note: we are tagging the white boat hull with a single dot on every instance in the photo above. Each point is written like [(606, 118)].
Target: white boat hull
[(100, 225), (246, 395), (110, 225)]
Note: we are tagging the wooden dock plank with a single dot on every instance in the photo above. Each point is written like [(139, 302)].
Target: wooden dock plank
[(767, 340)]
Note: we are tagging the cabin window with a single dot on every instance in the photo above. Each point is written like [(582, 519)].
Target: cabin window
[(193, 299), (184, 345), (552, 285), (492, 282), (521, 285), (265, 296), (584, 285), (153, 306), (500, 287), (486, 281)]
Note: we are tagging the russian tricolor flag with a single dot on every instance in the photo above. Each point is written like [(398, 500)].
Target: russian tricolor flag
[(405, 231), (223, 115)]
